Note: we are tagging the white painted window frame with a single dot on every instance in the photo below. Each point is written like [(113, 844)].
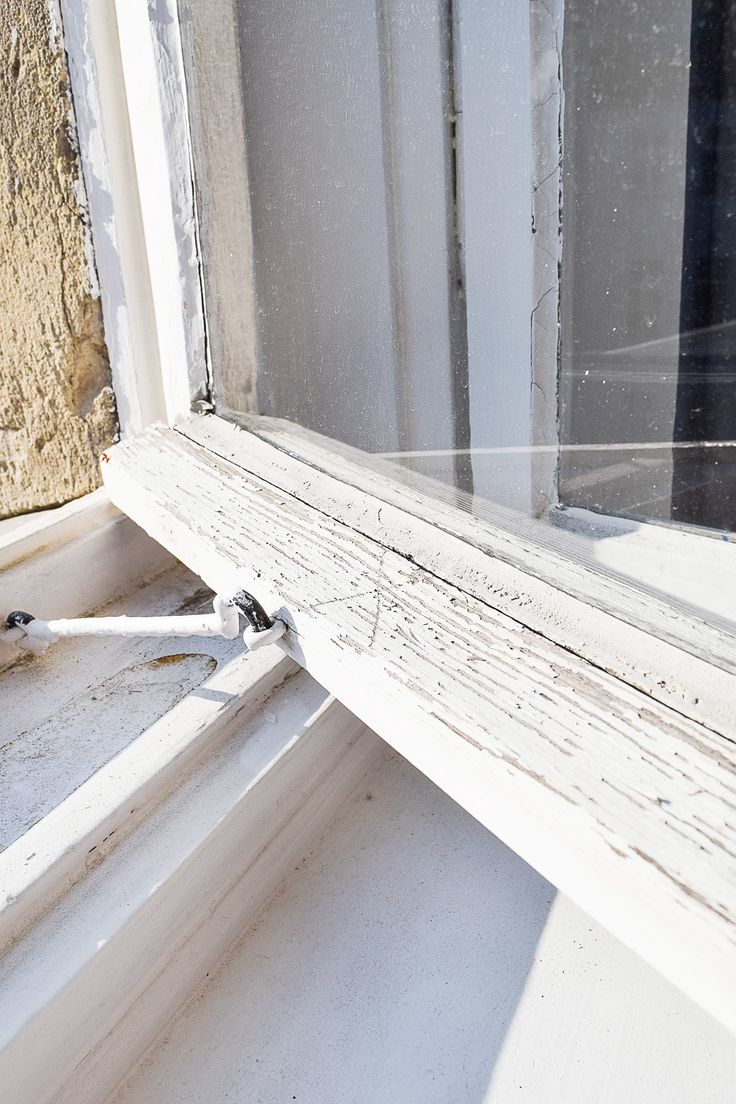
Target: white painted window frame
[(166, 262), (675, 667), (136, 153)]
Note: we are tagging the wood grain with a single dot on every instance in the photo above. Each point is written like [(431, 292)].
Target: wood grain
[(539, 576)]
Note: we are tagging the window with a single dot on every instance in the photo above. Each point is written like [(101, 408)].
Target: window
[(393, 245)]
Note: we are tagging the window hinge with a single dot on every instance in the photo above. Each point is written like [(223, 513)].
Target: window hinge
[(34, 635)]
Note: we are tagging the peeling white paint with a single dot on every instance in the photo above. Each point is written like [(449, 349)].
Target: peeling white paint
[(133, 356)]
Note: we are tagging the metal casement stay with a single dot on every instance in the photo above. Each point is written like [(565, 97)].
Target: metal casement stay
[(33, 634)]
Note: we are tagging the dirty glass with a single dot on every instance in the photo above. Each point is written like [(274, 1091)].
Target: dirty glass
[(648, 372), (517, 297)]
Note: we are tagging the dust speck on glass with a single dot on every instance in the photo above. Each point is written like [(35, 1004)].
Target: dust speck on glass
[(500, 252)]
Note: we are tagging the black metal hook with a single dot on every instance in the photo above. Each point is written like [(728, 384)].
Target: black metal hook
[(18, 617), (252, 610)]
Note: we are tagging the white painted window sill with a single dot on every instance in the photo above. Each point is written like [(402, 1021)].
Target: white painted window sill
[(123, 899), (587, 724)]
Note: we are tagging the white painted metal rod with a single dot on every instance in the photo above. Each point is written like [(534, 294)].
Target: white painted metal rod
[(203, 625), (33, 634)]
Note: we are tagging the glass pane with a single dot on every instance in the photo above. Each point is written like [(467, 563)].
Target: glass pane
[(349, 143), (649, 262)]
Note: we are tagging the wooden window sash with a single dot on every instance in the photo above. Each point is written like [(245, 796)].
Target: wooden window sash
[(621, 797)]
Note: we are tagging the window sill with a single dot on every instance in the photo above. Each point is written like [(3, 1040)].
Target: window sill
[(619, 799)]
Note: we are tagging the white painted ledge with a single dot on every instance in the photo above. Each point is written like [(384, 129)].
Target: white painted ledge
[(86, 988), (44, 862), (620, 800), (23, 536), (413, 959)]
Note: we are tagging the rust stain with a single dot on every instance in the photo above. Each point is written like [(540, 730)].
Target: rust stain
[(172, 660)]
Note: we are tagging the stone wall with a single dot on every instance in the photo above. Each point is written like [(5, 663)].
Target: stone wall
[(57, 409)]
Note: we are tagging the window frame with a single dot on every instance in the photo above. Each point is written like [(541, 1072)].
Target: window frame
[(153, 45), (487, 564)]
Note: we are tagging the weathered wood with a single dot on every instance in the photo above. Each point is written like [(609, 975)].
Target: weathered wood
[(622, 802), (214, 87), (539, 576), (155, 95)]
